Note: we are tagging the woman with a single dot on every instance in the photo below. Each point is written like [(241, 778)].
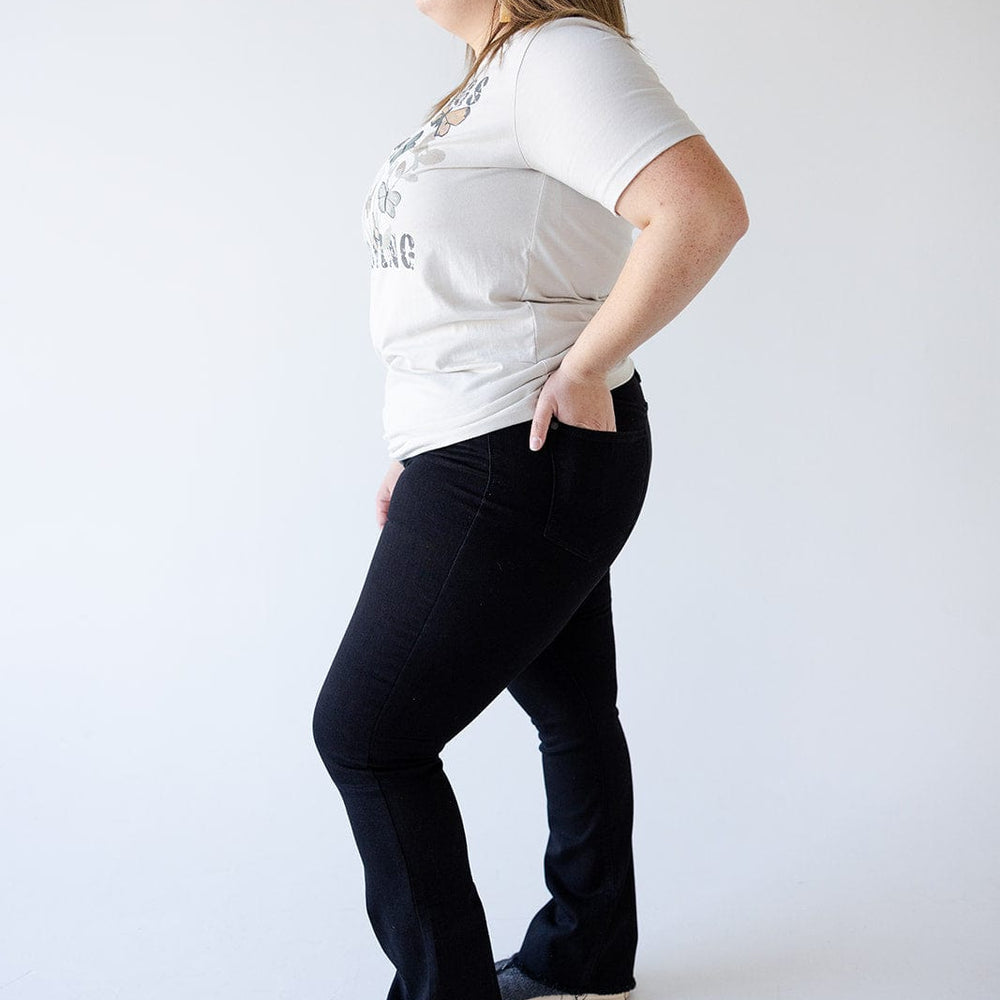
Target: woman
[(507, 295)]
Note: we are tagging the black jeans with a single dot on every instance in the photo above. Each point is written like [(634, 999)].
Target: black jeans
[(492, 572)]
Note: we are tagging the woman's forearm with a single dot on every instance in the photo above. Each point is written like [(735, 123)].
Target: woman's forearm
[(671, 260)]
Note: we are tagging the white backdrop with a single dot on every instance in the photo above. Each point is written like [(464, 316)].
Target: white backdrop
[(806, 613)]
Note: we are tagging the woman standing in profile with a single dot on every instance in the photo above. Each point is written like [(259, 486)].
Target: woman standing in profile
[(507, 295)]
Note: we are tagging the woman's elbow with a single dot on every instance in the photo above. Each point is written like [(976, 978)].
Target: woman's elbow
[(722, 210), (735, 213), (722, 213), (717, 221)]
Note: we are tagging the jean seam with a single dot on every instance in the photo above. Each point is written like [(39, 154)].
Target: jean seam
[(401, 671), (615, 888), (615, 879), (588, 968)]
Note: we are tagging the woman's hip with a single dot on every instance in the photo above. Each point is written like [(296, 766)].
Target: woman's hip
[(579, 495)]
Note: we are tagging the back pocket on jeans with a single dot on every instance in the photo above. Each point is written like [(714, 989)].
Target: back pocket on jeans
[(599, 481)]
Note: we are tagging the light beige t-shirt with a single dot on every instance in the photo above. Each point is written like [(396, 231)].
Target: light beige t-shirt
[(492, 233)]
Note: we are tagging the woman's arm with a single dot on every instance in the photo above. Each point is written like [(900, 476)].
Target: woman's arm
[(691, 213)]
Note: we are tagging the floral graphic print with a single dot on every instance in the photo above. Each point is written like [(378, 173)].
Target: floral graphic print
[(420, 149)]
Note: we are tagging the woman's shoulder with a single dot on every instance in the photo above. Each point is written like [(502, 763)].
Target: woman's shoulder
[(570, 27), (567, 37), (570, 46), (574, 22)]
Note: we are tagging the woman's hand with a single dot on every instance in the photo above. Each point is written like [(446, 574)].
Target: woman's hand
[(384, 494), (572, 398)]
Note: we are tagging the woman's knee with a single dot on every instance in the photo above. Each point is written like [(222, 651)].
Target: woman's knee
[(342, 729), (354, 728), (354, 734)]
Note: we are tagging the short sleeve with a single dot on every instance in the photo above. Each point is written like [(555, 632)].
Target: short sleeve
[(589, 110)]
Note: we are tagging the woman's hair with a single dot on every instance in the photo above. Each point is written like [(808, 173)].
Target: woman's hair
[(528, 14)]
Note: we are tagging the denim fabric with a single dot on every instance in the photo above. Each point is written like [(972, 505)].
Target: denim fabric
[(492, 573)]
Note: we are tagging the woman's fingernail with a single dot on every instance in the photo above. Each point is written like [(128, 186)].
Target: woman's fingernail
[(536, 443)]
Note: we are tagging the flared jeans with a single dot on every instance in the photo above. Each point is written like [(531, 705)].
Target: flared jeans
[(492, 573)]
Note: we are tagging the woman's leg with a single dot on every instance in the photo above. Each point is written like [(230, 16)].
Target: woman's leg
[(583, 940), (486, 555)]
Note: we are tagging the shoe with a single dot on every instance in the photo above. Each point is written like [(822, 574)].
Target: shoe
[(517, 985)]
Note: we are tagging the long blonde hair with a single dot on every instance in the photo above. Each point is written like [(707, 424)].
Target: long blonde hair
[(524, 14)]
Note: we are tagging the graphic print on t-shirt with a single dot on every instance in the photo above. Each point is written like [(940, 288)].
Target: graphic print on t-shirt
[(386, 247)]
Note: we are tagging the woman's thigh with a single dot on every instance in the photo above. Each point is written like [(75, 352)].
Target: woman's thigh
[(487, 552)]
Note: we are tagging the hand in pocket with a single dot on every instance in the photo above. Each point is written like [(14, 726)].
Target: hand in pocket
[(577, 400)]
